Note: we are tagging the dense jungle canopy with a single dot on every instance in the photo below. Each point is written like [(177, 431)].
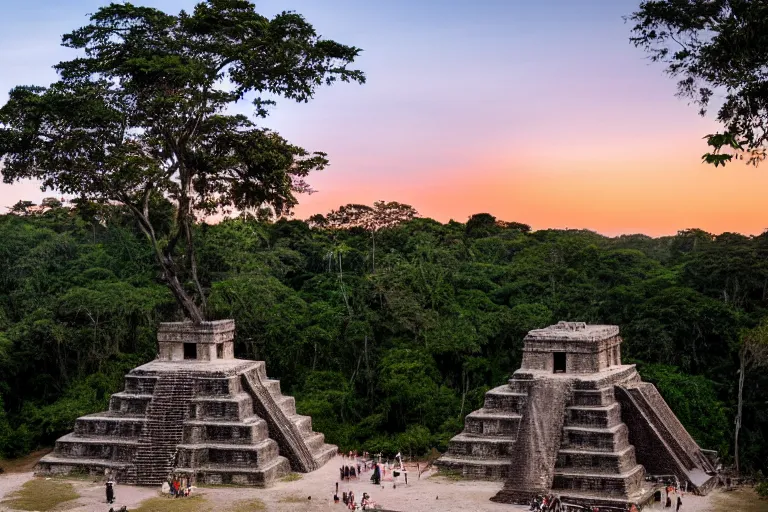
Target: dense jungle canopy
[(386, 357)]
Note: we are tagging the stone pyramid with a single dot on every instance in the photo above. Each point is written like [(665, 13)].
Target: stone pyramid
[(194, 411), (576, 422)]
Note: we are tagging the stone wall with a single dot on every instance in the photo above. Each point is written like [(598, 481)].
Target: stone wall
[(212, 340), (587, 348), (212, 420), (535, 454)]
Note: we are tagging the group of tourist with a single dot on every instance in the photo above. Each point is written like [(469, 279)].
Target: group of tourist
[(678, 502), (353, 468), (177, 487), (348, 472), (348, 499)]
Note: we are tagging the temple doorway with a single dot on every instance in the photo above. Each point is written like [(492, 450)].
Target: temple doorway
[(190, 351), (559, 358)]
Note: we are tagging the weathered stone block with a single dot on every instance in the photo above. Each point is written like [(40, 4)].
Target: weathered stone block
[(192, 416), (570, 433)]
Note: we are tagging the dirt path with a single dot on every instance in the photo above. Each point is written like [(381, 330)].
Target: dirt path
[(425, 494)]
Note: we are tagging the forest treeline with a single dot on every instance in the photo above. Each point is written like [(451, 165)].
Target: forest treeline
[(388, 333)]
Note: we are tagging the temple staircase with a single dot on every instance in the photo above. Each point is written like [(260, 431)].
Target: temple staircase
[(163, 428)]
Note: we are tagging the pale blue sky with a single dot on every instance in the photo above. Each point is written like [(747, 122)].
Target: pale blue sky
[(493, 89)]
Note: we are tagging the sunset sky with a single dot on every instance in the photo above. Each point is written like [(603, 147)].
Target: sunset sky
[(537, 112)]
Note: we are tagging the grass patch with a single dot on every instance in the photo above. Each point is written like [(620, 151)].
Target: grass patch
[(41, 495), (453, 476), (83, 476), (291, 477), (294, 498), (249, 506), (168, 504)]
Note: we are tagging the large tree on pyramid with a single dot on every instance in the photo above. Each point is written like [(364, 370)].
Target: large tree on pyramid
[(145, 113)]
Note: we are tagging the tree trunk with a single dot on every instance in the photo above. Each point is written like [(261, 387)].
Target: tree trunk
[(181, 296), (165, 260), (742, 371)]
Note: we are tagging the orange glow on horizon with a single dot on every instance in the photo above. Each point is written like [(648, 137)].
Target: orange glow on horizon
[(612, 195)]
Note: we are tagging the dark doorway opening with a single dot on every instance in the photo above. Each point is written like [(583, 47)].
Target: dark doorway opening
[(220, 351), (190, 351), (559, 362)]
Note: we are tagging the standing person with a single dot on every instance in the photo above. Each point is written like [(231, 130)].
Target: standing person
[(679, 503), (669, 502), (376, 476), (110, 491)]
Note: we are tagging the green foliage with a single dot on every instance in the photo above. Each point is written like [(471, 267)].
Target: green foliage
[(390, 359), (714, 47), (762, 490), (142, 116)]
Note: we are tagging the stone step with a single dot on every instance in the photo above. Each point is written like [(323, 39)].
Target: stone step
[(253, 455), (608, 379), (233, 408), (71, 446), (616, 485), (260, 367), (52, 464), (492, 422), (303, 423), (287, 404), (593, 397), (591, 416), (101, 424), (273, 385), (251, 430), (517, 385), (475, 468), (476, 446), (504, 399), (584, 461), (223, 474), (314, 441), (325, 453), (613, 439), (129, 404), (140, 384), (209, 386)]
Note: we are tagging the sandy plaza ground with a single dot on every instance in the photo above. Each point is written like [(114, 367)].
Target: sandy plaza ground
[(430, 493)]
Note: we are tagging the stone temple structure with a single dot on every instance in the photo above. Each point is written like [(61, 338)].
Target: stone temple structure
[(576, 422), (195, 411)]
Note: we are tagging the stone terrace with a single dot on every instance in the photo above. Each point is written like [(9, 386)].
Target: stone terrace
[(217, 419)]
